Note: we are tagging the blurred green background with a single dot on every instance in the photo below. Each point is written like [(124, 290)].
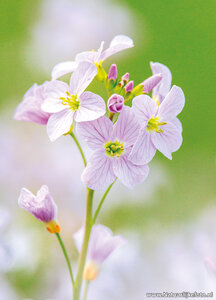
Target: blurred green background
[(179, 34)]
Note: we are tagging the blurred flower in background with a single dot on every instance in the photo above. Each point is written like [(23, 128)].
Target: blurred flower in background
[(66, 27)]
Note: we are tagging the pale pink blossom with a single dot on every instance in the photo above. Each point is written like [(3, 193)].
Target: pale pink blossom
[(71, 102), (150, 83), (160, 128), (163, 87), (112, 145), (42, 206), (118, 43), (29, 109), (102, 244)]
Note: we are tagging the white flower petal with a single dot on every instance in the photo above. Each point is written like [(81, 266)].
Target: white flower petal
[(63, 68), (59, 124)]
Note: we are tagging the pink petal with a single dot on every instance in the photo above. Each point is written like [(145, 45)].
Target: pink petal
[(151, 82), (92, 107), (29, 110), (119, 43), (102, 243), (168, 141), (56, 89), (59, 124), (144, 108), (173, 104), (82, 77), (89, 56), (164, 86), (126, 129), (63, 68), (98, 174), (177, 123), (128, 173), (143, 150), (96, 132)]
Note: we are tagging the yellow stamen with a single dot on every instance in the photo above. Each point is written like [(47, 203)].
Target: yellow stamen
[(153, 125), (71, 100), (114, 148)]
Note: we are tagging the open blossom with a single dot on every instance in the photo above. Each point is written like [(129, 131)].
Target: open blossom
[(160, 129), (115, 103), (71, 102), (163, 87), (119, 43), (42, 206), (112, 145), (102, 243), (30, 108)]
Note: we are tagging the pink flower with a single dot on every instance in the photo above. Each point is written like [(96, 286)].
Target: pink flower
[(69, 102), (115, 103), (163, 87), (160, 129), (125, 77), (42, 206), (112, 145), (119, 43), (29, 109), (102, 244)]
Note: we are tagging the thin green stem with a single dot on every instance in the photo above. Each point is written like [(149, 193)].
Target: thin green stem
[(102, 201), (79, 147), (82, 258), (66, 257), (86, 290)]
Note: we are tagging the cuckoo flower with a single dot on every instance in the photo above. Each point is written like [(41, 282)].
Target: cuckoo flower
[(163, 87), (160, 129), (119, 43), (30, 108), (102, 243), (42, 206), (112, 145), (71, 102)]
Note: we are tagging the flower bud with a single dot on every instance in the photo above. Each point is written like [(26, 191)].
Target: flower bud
[(115, 103), (42, 206), (129, 86), (151, 82), (113, 72), (125, 77)]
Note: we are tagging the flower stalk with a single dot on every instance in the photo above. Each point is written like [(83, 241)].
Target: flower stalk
[(82, 258)]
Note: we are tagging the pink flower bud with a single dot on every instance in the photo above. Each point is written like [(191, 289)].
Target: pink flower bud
[(125, 77), (151, 82), (115, 103), (129, 86), (113, 72)]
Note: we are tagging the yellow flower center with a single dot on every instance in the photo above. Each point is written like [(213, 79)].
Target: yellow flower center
[(154, 124), (71, 100), (53, 226), (114, 148)]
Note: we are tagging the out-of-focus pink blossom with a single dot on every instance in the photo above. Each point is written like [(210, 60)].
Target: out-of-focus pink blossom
[(129, 86), (30, 108), (113, 72), (101, 245)]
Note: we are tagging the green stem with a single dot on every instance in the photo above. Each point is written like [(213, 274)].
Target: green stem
[(102, 201), (79, 147), (66, 257), (86, 290), (82, 258)]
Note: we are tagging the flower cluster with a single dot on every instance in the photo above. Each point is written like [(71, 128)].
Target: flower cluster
[(124, 130), (122, 149)]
